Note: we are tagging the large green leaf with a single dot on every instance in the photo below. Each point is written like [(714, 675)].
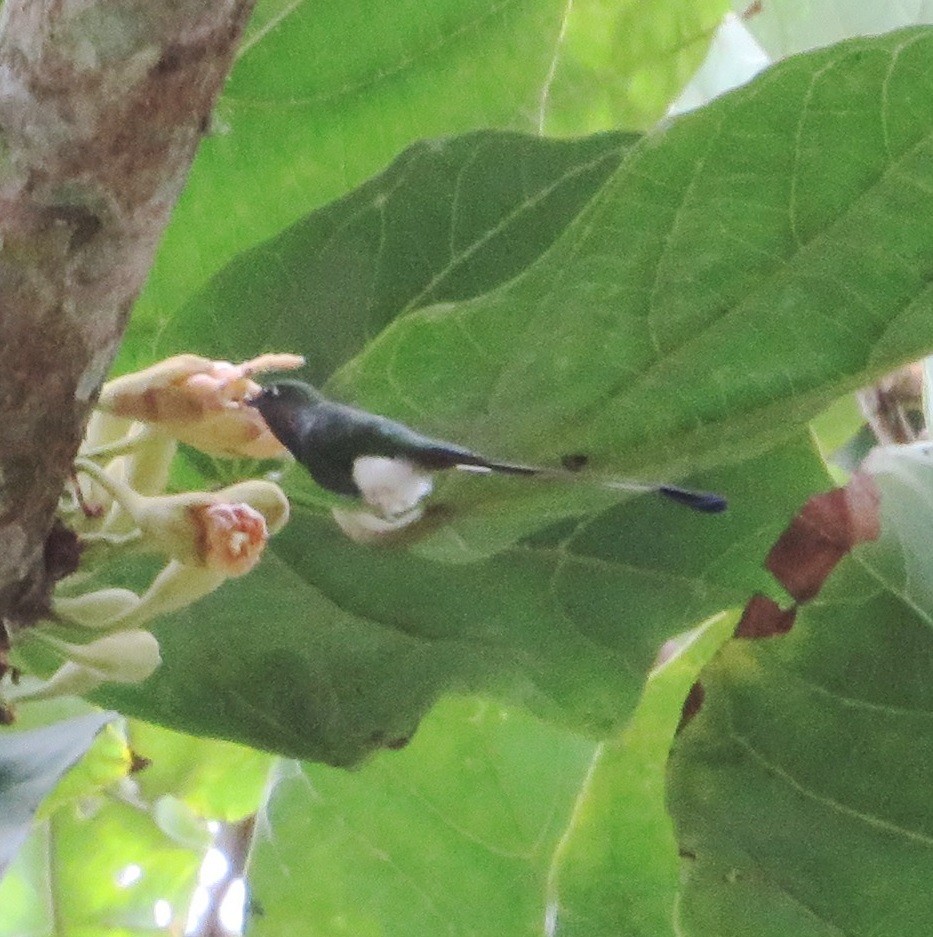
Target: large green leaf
[(616, 871), (329, 650), (456, 832), (322, 96), (645, 338), (475, 806), (801, 791), (448, 220), (737, 273), (31, 763), (656, 343)]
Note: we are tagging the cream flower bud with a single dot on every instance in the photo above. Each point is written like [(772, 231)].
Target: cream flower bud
[(69, 680), (124, 657), (95, 609), (177, 586), (201, 402)]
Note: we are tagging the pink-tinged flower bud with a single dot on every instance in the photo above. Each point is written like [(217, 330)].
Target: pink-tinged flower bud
[(265, 496), (232, 536), (200, 402), (224, 531)]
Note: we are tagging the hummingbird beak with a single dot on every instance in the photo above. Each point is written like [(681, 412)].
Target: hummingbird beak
[(254, 400), (261, 395)]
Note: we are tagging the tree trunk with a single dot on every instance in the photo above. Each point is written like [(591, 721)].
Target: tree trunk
[(102, 104)]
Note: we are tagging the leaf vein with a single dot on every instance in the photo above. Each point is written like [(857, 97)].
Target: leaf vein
[(867, 818)]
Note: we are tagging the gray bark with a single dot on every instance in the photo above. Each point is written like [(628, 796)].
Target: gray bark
[(102, 104)]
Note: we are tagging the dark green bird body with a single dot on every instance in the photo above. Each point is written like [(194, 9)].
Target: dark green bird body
[(327, 438), (331, 440)]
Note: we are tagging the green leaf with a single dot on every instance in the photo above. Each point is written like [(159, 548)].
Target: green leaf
[(616, 870), (456, 829), (217, 780), (447, 221), (31, 764), (621, 63), (106, 761), (321, 97), (645, 337), (99, 869), (658, 343), (801, 791), (330, 650), (659, 346)]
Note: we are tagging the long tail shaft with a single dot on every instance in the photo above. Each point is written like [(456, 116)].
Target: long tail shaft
[(706, 501)]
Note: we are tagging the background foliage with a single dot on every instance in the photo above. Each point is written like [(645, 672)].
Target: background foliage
[(687, 303)]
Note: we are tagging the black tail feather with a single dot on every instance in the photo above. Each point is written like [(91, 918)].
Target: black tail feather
[(706, 501)]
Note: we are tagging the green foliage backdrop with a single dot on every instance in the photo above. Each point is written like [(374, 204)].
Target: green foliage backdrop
[(681, 303)]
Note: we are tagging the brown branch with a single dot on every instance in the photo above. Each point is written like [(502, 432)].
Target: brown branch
[(102, 105), (234, 840)]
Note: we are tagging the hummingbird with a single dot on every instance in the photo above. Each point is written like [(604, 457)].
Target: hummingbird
[(389, 465)]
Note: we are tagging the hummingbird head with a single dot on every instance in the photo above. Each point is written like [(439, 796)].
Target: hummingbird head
[(282, 405)]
